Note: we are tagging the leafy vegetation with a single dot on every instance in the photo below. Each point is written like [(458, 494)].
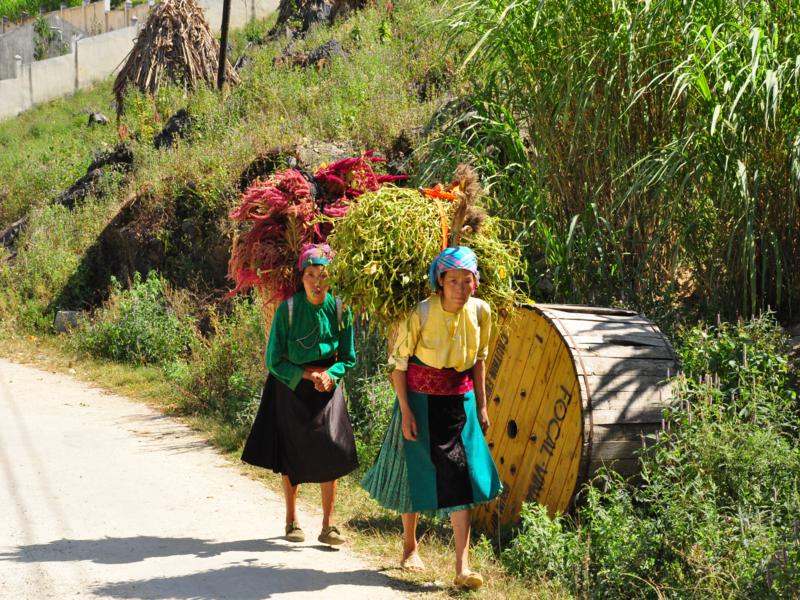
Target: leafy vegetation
[(138, 324), (225, 371), (646, 153), (717, 511), (649, 150), (15, 10)]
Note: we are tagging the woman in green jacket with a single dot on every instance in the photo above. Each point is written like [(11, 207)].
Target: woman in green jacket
[(302, 429)]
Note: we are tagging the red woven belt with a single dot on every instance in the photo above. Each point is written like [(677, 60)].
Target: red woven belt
[(442, 382)]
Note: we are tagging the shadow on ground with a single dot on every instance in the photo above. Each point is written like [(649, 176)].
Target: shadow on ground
[(113, 551), (248, 583)]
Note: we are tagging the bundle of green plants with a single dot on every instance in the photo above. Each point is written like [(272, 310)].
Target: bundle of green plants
[(386, 242), (139, 325)]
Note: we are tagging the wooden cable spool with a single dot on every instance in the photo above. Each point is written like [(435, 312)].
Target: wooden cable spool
[(569, 389)]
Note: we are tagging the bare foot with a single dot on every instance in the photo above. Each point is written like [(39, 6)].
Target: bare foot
[(412, 562)]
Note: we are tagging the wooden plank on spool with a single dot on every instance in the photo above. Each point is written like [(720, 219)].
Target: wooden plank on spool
[(616, 449), (646, 414), (630, 400), (510, 452), (603, 318), (611, 350), (623, 432), (568, 489), (622, 382), (510, 379), (513, 354), (523, 381), (568, 457), (657, 393), (591, 365), (637, 339), (582, 309), (541, 454), (607, 328)]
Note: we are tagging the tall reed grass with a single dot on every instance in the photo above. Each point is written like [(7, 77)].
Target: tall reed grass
[(649, 150)]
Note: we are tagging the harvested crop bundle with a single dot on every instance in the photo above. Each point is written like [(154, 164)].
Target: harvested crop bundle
[(289, 210), (387, 240), (176, 43)]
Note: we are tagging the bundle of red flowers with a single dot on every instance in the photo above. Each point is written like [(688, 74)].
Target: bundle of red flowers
[(289, 210)]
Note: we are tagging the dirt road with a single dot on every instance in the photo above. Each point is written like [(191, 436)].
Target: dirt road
[(101, 497)]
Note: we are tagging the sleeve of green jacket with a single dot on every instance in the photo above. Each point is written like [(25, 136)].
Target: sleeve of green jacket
[(278, 349), (346, 353)]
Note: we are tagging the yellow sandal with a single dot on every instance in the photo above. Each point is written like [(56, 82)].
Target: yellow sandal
[(468, 580)]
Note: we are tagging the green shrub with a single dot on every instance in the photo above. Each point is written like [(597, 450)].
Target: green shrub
[(224, 375), (138, 324), (19, 9), (718, 510), (545, 547), (49, 256), (369, 393), (746, 364), (45, 150)]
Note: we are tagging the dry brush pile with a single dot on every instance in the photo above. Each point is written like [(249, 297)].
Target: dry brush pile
[(176, 44)]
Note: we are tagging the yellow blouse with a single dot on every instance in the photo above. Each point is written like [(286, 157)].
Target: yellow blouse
[(448, 340)]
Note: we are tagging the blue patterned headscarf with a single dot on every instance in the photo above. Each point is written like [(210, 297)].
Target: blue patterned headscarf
[(449, 259), (314, 254)]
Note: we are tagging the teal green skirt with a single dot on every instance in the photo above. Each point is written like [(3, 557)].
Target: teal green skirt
[(449, 466)]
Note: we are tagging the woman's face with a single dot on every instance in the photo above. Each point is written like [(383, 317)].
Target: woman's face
[(315, 283), (457, 286)]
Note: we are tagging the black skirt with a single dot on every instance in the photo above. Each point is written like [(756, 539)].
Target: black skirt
[(303, 434)]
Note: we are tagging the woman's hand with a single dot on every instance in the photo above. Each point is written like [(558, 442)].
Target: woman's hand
[(324, 382), (409, 426), (483, 419)]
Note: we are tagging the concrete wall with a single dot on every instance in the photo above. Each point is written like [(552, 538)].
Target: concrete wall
[(98, 57), (21, 41), (60, 72)]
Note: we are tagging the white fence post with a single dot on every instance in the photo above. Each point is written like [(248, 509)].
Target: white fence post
[(30, 85), (75, 38)]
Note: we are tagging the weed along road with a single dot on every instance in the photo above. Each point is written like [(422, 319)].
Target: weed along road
[(101, 497)]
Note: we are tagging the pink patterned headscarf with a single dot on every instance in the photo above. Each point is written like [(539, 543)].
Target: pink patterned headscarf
[(314, 254)]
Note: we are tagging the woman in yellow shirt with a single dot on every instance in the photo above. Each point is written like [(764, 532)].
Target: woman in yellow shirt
[(434, 457)]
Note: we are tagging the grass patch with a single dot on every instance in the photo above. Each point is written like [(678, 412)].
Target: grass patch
[(44, 150)]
